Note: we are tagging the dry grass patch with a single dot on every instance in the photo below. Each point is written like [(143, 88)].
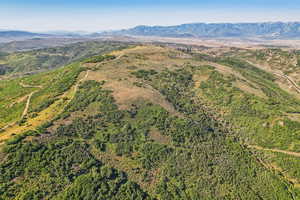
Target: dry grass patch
[(153, 57), (242, 83), (125, 94), (286, 86), (294, 116), (118, 77), (199, 78), (282, 82), (245, 87), (155, 135), (225, 70)]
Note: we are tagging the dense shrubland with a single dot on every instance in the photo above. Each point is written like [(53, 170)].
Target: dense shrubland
[(199, 162), (94, 150), (255, 114)]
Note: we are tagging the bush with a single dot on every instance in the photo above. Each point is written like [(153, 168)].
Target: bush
[(100, 58)]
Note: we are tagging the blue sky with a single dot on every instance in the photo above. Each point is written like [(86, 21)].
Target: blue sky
[(97, 15)]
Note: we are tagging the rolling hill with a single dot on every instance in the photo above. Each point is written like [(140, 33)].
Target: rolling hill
[(34, 61), (16, 35), (37, 43), (154, 122), (21, 34)]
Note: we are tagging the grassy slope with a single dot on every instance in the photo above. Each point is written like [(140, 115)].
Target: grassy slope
[(46, 86), (12, 100)]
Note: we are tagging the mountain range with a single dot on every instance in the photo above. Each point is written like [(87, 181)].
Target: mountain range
[(265, 30), (16, 33), (268, 30)]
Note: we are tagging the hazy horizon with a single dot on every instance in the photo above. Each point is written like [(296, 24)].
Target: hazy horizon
[(99, 15), (86, 31)]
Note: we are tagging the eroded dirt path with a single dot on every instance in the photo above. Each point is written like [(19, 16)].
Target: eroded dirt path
[(47, 114), (291, 153), (29, 96), (27, 104), (80, 81)]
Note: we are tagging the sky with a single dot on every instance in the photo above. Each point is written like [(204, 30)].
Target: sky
[(99, 15)]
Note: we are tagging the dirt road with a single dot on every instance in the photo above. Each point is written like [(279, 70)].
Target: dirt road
[(291, 153)]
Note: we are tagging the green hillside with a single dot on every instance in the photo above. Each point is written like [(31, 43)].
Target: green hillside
[(50, 58), (152, 122)]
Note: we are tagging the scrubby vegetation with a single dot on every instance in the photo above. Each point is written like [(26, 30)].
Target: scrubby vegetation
[(144, 73), (46, 88), (96, 59), (12, 101), (69, 157), (49, 58), (58, 82), (268, 125), (190, 145)]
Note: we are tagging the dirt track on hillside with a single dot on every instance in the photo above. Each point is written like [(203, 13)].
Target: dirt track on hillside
[(291, 153)]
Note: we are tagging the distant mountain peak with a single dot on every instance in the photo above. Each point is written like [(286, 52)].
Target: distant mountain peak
[(17, 33), (271, 30)]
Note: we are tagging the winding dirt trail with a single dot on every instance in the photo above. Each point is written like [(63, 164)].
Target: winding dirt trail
[(46, 114), (27, 104), (80, 81), (273, 166), (13, 128), (7, 126), (291, 153), (29, 96), (25, 111), (280, 74), (292, 82)]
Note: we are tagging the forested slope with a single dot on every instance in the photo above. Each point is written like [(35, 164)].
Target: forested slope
[(50, 58), (151, 122)]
